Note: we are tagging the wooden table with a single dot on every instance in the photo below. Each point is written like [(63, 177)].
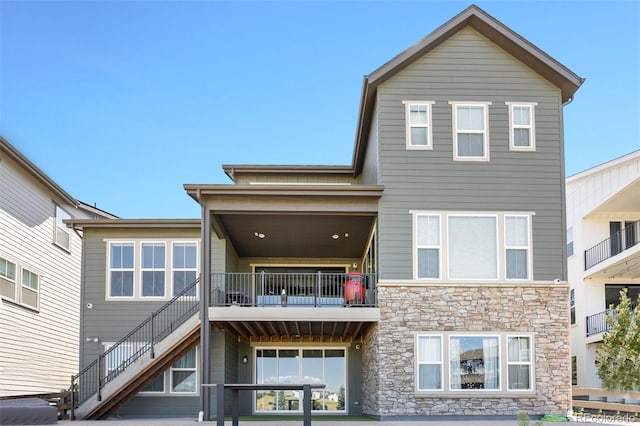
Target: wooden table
[(235, 399)]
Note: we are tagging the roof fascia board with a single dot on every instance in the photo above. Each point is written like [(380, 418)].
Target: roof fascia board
[(36, 172), (134, 223), (232, 170), (285, 190), (634, 155)]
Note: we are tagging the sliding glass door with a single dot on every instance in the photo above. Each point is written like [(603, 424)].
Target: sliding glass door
[(301, 366)]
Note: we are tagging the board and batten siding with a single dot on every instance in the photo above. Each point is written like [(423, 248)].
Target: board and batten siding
[(38, 349), (469, 67)]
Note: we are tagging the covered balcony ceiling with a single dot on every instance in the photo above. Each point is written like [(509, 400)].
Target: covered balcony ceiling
[(296, 235), (294, 331)]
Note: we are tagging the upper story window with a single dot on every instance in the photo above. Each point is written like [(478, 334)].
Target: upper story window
[(474, 363), (418, 124), (572, 305), (121, 269), (472, 246), (7, 279), (61, 233), (522, 126), (19, 284), (570, 241), (470, 131), (150, 269), (153, 270)]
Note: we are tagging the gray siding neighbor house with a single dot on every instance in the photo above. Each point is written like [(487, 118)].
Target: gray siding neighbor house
[(426, 278)]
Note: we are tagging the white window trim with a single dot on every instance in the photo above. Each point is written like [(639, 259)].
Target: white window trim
[(110, 269), (444, 244), (142, 270), (503, 389), (14, 281), (418, 363), (416, 246), (61, 227), (137, 269), (485, 132), (530, 363), (409, 125), (172, 292), (531, 127), (194, 369), (527, 247)]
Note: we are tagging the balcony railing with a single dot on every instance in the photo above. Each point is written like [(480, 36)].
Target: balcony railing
[(293, 289), (597, 323), (616, 243)]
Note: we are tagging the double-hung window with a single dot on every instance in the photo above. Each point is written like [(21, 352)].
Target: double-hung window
[(570, 241), (121, 269), (519, 362), (517, 247), (470, 131), (429, 362), (418, 124), (572, 305), (61, 233), (7, 279), (185, 265), (183, 374), (522, 126), (153, 269), (30, 290), (428, 245)]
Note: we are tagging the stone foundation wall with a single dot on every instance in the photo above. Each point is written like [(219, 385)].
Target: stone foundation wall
[(388, 359)]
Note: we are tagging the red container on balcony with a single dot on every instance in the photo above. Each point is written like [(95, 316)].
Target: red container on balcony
[(354, 288)]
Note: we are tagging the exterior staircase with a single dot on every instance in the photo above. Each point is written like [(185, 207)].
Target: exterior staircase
[(152, 347)]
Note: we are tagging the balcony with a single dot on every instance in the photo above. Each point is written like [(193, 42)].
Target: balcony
[(597, 323), (617, 256), (311, 290)]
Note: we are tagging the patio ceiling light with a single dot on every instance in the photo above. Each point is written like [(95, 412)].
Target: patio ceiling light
[(259, 235)]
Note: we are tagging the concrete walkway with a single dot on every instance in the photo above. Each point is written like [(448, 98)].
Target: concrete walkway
[(435, 422)]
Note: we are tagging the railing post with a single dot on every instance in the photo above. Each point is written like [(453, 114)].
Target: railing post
[(262, 286), (72, 412), (99, 369), (317, 299), (153, 352)]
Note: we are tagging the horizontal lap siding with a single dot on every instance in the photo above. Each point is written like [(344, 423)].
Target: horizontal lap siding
[(468, 67), (113, 319), (38, 350)]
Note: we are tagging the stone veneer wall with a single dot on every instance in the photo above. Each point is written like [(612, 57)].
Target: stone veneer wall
[(388, 357)]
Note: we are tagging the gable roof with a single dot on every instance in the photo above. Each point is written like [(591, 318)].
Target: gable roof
[(34, 171), (485, 24)]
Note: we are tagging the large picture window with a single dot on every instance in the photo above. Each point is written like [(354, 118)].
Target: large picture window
[(301, 365), (474, 363), (470, 131), (475, 245)]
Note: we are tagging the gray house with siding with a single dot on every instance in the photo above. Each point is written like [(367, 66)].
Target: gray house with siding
[(426, 278)]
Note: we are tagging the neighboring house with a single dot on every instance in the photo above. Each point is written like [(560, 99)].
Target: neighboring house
[(40, 261), (603, 249), (453, 212)]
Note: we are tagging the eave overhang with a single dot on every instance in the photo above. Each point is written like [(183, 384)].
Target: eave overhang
[(134, 223), (36, 172), (232, 170), (550, 69)]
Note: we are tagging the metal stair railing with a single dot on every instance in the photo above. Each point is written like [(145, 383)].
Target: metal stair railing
[(142, 339)]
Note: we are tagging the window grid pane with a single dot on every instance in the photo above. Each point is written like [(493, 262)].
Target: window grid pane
[(7, 269), (429, 362), (153, 274), (519, 362)]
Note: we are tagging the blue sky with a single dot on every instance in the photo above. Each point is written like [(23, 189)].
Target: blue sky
[(122, 102)]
